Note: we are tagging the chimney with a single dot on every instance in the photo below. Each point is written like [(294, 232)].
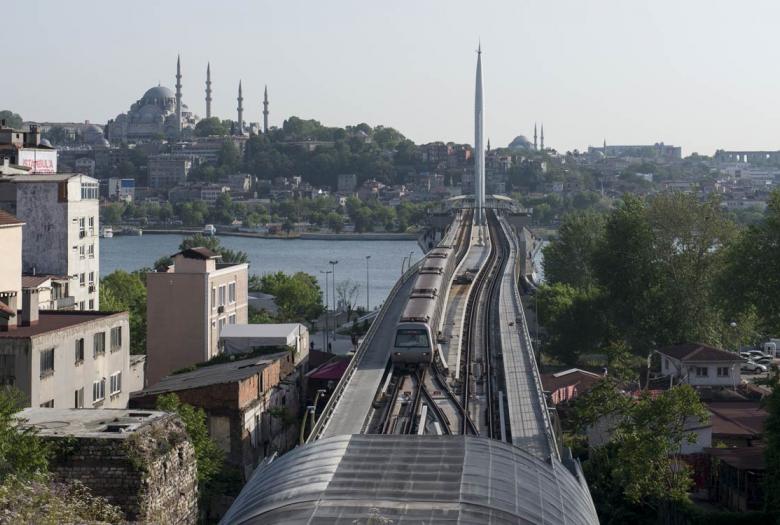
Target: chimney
[(8, 318), (29, 307)]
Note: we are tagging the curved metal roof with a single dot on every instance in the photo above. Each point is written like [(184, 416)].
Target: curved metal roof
[(359, 479)]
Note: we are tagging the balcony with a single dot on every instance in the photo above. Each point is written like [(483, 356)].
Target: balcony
[(64, 303)]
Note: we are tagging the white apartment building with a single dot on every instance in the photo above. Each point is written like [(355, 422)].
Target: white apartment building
[(701, 365), (67, 359), (61, 236)]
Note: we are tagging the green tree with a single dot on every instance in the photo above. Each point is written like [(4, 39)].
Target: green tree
[(212, 243), (122, 291), (112, 213), (22, 453), (750, 274), (208, 127), (208, 455), (229, 158), (298, 296), (570, 258), (12, 120)]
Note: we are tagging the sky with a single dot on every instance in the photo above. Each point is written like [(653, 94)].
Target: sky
[(701, 74)]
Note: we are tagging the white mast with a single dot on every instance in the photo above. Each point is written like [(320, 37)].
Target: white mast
[(479, 148)]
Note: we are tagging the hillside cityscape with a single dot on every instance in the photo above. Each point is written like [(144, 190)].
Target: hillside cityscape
[(256, 318)]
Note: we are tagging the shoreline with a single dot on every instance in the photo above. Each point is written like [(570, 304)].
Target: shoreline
[(299, 236)]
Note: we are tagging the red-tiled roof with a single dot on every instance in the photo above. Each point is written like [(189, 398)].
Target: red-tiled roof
[(331, 371), (574, 376), (51, 320), (6, 219), (737, 418), (698, 352)]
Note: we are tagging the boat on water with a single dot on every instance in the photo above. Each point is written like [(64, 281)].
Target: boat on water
[(107, 232), (209, 230)]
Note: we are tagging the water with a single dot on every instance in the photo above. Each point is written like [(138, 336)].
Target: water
[(272, 255)]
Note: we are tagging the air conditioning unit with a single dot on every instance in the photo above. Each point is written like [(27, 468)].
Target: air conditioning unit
[(91, 288), (220, 309)]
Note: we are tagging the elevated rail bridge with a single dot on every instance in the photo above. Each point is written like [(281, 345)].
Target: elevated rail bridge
[(465, 439)]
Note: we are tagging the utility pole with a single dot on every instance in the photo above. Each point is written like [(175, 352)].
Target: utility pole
[(325, 335), (368, 303), (333, 271)]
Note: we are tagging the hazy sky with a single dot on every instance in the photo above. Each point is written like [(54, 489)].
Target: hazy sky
[(700, 74)]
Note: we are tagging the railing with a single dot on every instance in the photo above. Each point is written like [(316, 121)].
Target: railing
[(550, 434), (327, 412)]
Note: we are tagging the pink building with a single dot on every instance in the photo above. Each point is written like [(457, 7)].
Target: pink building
[(187, 307)]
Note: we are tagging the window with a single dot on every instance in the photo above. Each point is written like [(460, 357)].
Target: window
[(82, 279), (116, 338), (723, 371), (213, 297), (82, 228), (702, 371), (92, 278), (222, 295), (47, 362), (89, 190), (411, 338), (98, 390), (232, 319), (7, 370), (48, 404), (98, 344), (232, 293), (79, 351), (116, 383), (91, 304), (91, 251), (78, 398), (91, 226), (81, 305), (82, 252)]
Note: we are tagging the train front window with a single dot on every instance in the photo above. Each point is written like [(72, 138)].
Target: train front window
[(408, 338)]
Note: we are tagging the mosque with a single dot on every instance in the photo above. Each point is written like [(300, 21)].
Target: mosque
[(160, 113)]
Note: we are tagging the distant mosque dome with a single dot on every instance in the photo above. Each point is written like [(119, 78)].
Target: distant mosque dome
[(45, 143), (92, 134), (158, 93), (521, 142)]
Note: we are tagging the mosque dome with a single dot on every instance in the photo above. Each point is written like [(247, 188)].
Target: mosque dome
[(520, 142), (45, 143), (158, 92), (92, 134)]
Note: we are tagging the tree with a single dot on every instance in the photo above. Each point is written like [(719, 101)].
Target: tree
[(22, 453), (347, 292), (750, 275), (212, 243), (335, 221), (772, 450), (208, 455), (112, 213), (122, 291), (569, 259), (229, 158), (208, 127), (298, 296), (12, 120)]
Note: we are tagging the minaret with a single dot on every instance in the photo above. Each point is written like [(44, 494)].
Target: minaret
[(208, 90), (542, 143), (479, 147), (178, 94), (240, 123), (265, 110), (535, 143)]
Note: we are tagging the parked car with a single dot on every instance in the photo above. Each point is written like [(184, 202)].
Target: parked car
[(764, 360), (753, 367)]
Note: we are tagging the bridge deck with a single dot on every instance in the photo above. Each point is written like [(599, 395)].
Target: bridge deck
[(528, 418), (355, 403)]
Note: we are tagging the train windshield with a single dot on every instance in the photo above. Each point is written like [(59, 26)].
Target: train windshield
[(411, 338)]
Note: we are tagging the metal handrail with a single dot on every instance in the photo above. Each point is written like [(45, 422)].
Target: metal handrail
[(327, 412), (552, 442)]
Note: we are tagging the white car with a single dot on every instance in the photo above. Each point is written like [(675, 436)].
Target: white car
[(753, 367)]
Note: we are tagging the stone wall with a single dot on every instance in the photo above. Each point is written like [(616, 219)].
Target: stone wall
[(150, 474)]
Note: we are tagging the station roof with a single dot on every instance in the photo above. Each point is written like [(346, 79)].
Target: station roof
[(400, 479)]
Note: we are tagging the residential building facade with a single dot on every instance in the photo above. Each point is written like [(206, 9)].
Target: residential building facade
[(166, 171), (10, 261), (700, 365), (188, 306), (61, 237), (67, 359)]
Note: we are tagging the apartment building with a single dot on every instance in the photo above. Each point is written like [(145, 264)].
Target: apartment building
[(66, 359), (10, 264), (61, 236), (187, 307)]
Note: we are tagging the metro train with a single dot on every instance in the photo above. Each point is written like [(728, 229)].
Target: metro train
[(417, 330)]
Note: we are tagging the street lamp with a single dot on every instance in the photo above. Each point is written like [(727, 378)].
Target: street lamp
[(327, 305), (368, 304), (333, 266)]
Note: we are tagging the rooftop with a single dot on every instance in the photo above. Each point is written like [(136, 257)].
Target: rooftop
[(198, 253), (282, 330), (698, 352), (211, 375), (741, 458), (54, 177), (737, 418), (572, 376), (88, 422), (51, 320), (6, 219), (34, 281)]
